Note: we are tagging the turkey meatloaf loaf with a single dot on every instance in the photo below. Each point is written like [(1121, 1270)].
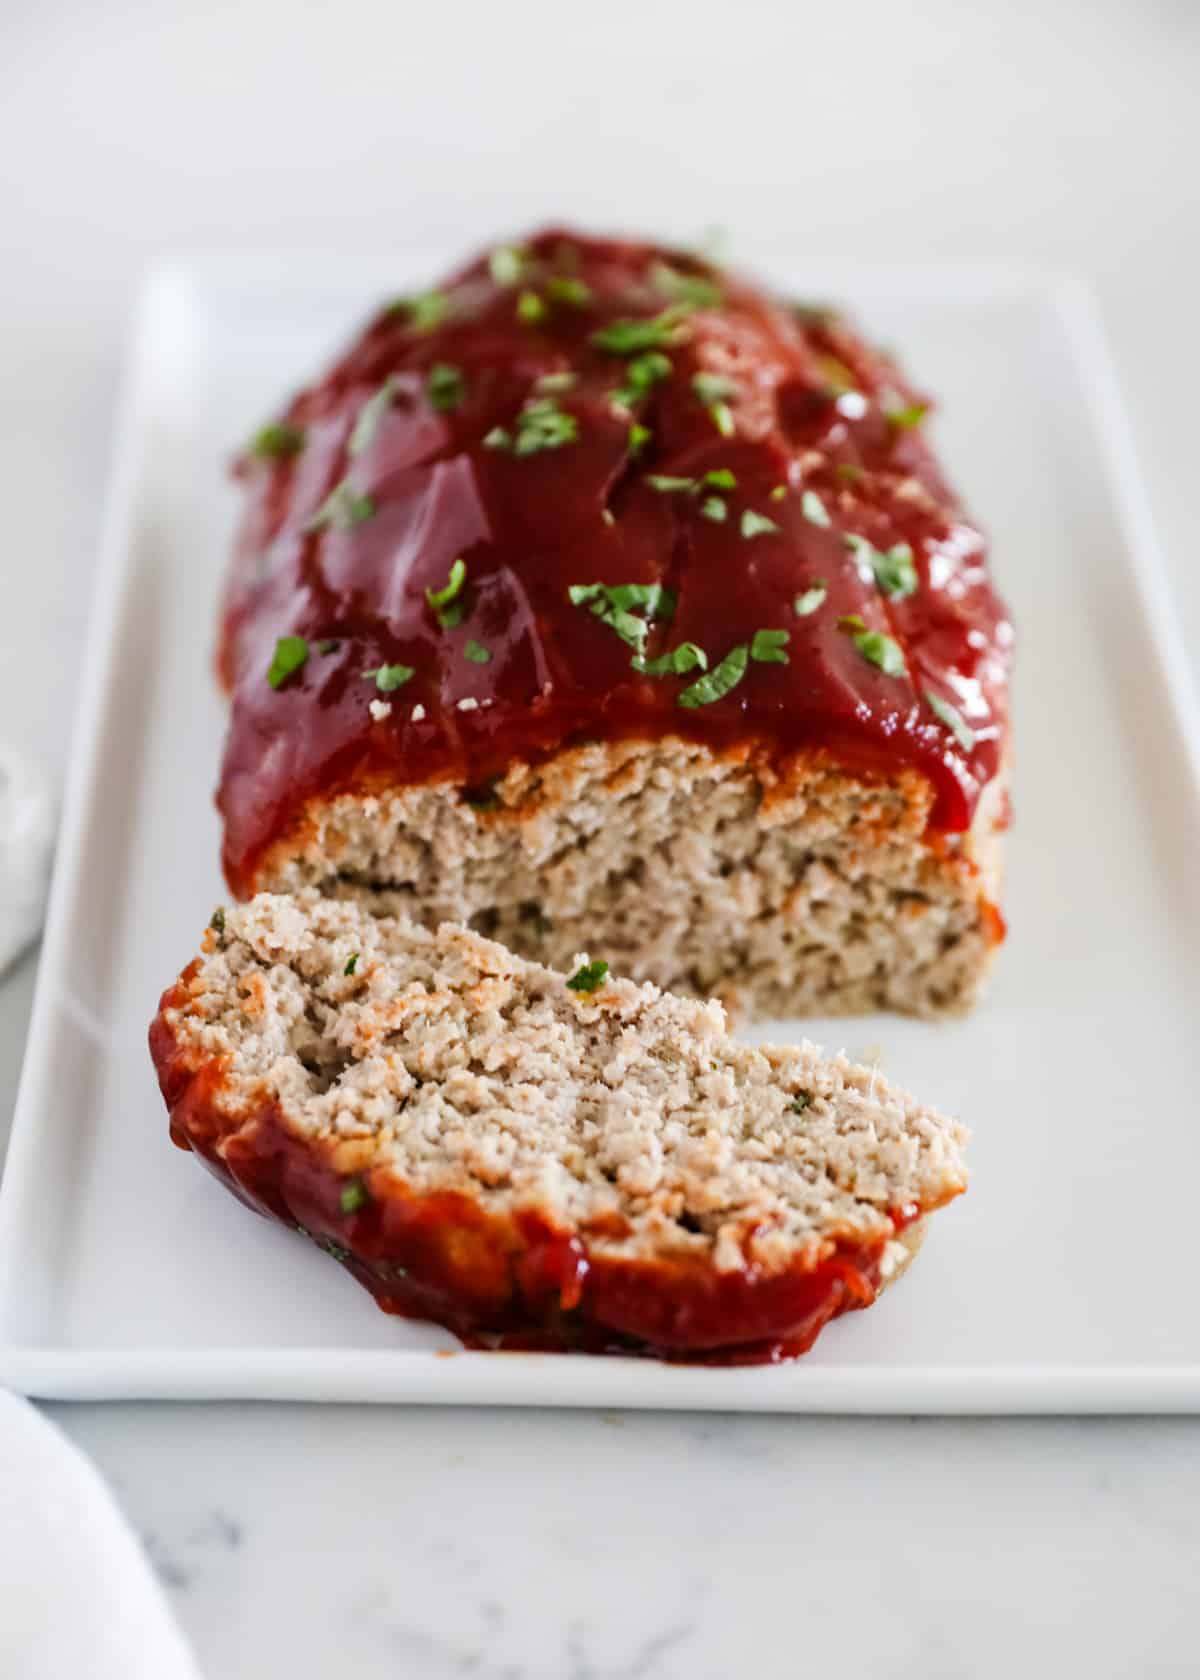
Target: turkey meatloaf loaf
[(540, 1160), (599, 598)]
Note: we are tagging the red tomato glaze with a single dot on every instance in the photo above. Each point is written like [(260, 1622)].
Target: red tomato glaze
[(835, 490)]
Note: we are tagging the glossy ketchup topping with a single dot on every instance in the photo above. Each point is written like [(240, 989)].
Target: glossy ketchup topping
[(568, 419)]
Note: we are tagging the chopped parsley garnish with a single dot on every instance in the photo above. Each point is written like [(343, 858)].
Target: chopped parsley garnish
[(498, 438), (813, 509), (217, 920), (874, 646), (388, 678), (554, 384), (756, 524), (370, 414), (590, 977), (849, 473), (641, 373), (718, 478), (837, 375), (425, 311), (768, 647), (354, 1196), (713, 387), (779, 492), (811, 599), (714, 508), (277, 441), (678, 662), (351, 963), (343, 508), (695, 291), (540, 425), (639, 437), (721, 416), (290, 654), (477, 653), (800, 1102), (614, 604), (651, 332), (564, 288), (329, 645), (907, 416), (953, 719), (506, 264), (446, 602), (893, 569), (715, 684), (530, 307), (445, 386)]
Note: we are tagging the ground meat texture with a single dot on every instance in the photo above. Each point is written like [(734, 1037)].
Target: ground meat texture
[(535, 1159), (602, 565)]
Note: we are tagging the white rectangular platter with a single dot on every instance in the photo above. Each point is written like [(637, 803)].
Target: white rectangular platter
[(1062, 1281)]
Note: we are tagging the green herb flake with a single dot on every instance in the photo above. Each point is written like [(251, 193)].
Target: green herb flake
[(714, 387), (768, 647), (590, 977), (425, 310), (677, 662), (616, 606), (445, 386), (351, 963), (446, 602), (370, 414), (720, 478), (721, 416), (651, 332), (694, 291), (849, 473), (806, 604), (641, 373), (813, 509), (908, 416), (277, 441), (953, 719), (893, 569), (715, 684), (290, 654), (354, 1196), (756, 524), (779, 492), (564, 288), (800, 1102), (875, 647), (388, 678), (329, 645), (639, 437), (671, 486), (217, 920), (530, 308), (477, 653), (714, 508), (554, 384), (506, 264), (540, 425), (343, 509), (498, 438)]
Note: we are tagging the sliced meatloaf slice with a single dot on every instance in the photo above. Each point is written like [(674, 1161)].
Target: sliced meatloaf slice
[(536, 1159)]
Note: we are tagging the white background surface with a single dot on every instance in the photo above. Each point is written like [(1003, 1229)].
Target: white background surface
[(427, 1544)]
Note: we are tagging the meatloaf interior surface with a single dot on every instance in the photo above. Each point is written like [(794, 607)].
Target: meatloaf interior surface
[(512, 1152)]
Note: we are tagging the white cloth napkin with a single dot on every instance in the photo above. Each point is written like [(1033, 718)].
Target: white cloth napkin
[(77, 1596)]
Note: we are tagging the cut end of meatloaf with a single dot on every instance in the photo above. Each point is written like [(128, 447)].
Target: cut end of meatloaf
[(557, 1160), (782, 891)]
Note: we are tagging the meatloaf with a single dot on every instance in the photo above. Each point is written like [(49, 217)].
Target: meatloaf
[(533, 1159), (599, 598)]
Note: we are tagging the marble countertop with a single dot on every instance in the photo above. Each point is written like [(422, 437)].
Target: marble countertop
[(309, 1542)]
